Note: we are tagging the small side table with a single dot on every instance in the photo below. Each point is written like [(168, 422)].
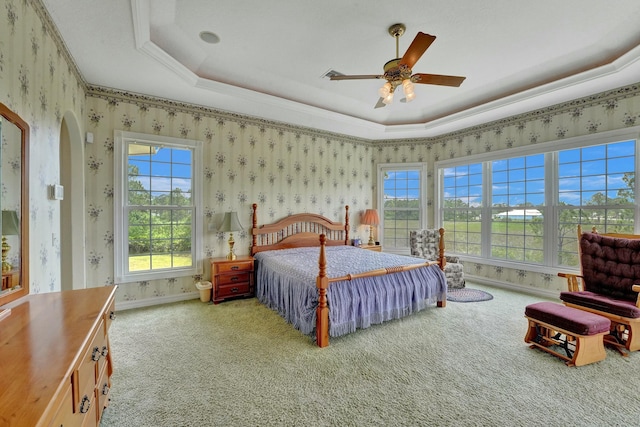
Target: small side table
[(375, 248), (231, 278)]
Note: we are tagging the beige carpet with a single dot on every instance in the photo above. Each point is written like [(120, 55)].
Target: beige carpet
[(239, 364)]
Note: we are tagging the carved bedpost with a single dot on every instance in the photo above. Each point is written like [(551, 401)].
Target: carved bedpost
[(441, 259), (322, 312), (255, 224), (346, 225)]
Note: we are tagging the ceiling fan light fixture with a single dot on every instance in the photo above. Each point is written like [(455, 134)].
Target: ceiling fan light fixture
[(407, 87), (386, 100), (385, 90)]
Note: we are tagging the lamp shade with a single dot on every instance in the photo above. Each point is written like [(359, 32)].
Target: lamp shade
[(370, 217), (230, 222), (10, 226)]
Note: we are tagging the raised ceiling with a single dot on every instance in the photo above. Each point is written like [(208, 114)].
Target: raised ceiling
[(273, 56)]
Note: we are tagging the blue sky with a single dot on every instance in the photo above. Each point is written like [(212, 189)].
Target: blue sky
[(582, 172), (155, 170)]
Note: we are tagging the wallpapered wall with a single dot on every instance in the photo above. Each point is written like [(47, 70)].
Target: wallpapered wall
[(283, 168), (607, 111), (40, 82)]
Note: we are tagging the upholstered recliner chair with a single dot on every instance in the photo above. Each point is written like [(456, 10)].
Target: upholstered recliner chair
[(425, 244)]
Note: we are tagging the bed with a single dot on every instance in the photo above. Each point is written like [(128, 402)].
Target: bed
[(307, 272)]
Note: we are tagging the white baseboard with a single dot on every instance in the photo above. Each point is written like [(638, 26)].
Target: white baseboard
[(148, 302), (547, 293)]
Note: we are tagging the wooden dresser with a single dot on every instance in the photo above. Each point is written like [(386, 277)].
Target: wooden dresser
[(55, 359)]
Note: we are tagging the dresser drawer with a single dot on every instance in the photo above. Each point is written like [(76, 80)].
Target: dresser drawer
[(92, 362), (233, 279), (235, 266), (65, 415), (102, 389), (227, 291)]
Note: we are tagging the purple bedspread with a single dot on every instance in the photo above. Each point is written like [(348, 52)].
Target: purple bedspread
[(286, 282)]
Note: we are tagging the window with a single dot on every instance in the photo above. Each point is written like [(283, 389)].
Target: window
[(157, 207), (461, 209), (596, 186), (517, 200), (402, 203), (525, 208)]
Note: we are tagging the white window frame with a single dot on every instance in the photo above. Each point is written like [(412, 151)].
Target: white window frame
[(121, 244), (551, 177), (384, 167)]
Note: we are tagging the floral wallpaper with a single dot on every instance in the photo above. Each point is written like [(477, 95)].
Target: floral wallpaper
[(283, 168), (40, 82)]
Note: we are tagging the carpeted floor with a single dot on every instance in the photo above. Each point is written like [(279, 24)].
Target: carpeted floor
[(239, 364)]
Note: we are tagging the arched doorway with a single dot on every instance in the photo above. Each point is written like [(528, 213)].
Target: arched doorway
[(72, 229)]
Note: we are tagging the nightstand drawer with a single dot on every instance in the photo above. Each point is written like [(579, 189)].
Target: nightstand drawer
[(226, 291), (235, 266), (232, 279)]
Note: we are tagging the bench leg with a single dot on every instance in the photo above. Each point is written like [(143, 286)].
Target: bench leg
[(633, 341), (589, 349)]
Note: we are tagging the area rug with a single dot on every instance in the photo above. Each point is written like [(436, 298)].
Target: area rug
[(468, 295)]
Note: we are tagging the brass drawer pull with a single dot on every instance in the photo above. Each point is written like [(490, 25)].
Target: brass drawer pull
[(95, 354), (234, 289), (112, 315), (105, 351), (235, 267), (105, 389)]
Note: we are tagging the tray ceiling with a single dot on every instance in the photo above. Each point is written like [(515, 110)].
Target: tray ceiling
[(272, 58)]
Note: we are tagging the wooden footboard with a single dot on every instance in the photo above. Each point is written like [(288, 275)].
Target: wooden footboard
[(322, 283)]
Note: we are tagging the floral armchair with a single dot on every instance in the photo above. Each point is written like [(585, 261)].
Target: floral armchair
[(425, 244)]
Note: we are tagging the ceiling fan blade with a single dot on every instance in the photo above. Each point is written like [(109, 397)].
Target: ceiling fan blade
[(437, 79), (418, 46), (357, 77), (380, 104)]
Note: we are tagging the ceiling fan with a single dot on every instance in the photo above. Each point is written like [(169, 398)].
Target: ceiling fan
[(397, 72)]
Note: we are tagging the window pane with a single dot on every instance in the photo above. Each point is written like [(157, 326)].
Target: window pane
[(401, 206), (460, 220), (518, 202), (601, 195)]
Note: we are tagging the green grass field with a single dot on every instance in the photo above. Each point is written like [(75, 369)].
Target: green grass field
[(143, 262)]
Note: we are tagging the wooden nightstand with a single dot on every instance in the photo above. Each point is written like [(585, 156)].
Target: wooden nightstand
[(231, 278), (376, 248)]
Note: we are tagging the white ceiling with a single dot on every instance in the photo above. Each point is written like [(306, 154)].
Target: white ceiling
[(517, 55)]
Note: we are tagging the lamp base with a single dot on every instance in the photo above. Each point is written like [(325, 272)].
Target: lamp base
[(371, 242), (231, 255)]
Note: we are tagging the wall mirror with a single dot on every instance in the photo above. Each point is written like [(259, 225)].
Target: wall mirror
[(14, 200)]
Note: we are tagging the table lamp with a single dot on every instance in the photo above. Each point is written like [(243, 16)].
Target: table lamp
[(10, 227), (230, 223), (371, 219)]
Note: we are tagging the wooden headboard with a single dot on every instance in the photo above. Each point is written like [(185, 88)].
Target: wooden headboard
[(298, 230)]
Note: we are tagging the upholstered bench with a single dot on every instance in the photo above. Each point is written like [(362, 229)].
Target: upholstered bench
[(580, 333)]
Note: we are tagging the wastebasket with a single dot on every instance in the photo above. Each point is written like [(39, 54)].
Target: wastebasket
[(205, 291)]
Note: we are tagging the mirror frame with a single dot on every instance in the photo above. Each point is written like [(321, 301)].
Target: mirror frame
[(12, 117)]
